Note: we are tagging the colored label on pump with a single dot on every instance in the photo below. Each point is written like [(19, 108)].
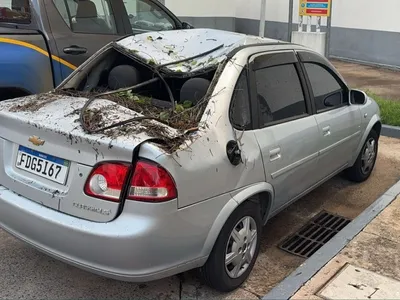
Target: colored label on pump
[(319, 8)]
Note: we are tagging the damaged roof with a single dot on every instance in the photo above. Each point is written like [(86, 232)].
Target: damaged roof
[(164, 47)]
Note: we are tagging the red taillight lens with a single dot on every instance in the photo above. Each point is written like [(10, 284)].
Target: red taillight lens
[(107, 181), (151, 183)]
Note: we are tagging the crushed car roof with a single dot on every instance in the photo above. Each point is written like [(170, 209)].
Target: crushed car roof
[(166, 47)]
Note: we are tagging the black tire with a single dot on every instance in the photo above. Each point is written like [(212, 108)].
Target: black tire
[(357, 173), (214, 272)]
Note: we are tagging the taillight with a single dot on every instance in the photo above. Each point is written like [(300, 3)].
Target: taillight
[(151, 183), (107, 181)]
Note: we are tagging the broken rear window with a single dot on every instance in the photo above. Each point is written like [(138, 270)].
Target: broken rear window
[(177, 100)]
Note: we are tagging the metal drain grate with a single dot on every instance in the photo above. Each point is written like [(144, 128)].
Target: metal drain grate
[(316, 233)]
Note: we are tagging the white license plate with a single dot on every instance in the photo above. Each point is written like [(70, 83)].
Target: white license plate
[(43, 165)]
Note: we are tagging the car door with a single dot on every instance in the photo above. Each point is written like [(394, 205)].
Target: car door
[(287, 131), (339, 122), (82, 27)]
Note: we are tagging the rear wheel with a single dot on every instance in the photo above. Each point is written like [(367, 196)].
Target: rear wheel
[(362, 168), (236, 249)]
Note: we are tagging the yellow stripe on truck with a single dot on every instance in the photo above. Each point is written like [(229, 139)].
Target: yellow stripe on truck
[(64, 62), (38, 49)]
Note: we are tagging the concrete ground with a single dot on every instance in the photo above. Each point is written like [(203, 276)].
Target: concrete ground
[(27, 273), (382, 82), (374, 249)]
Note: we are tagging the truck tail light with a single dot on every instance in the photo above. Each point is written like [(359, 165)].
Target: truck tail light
[(151, 183), (107, 181)]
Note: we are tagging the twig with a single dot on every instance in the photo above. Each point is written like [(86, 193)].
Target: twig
[(136, 119)]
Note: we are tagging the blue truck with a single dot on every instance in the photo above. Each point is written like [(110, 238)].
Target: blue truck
[(43, 41)]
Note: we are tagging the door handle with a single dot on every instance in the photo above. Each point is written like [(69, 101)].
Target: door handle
[(274, 154), (326, 131), (75, 50)]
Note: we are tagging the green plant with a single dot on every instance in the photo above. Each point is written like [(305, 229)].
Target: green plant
[(390, 109)]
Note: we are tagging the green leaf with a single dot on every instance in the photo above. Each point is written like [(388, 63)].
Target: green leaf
[(141, 100), (179, 108), (187, 104), (164, 116)]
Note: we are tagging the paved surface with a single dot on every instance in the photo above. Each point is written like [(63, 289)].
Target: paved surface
[(375, 249), (357, 283), (382, 82), (26, 273)]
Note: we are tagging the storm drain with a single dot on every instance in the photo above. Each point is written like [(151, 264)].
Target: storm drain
[(316, 233)]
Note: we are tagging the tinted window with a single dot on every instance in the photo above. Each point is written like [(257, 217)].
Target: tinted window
[(240, 107), (62, 9), (15, 11), (86, 16), (280, 94), (147, 16), (327, 91)]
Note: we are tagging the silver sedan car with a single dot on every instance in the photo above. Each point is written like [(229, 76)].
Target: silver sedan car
[(169, 151)]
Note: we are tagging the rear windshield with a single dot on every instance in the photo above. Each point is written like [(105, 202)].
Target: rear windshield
[(15, 11)]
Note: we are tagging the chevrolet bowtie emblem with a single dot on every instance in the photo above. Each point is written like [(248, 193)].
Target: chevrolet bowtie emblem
[(36, 141)]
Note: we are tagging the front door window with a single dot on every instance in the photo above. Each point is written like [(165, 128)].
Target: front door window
[(328, 92), (144, 15)]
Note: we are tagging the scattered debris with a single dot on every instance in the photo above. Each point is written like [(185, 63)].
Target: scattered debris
[(93, 119), (152, 119), (34, 103)]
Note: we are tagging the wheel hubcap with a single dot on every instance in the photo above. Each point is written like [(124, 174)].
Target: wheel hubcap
[(241, 247), (368, 156)]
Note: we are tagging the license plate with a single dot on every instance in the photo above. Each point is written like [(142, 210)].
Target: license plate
[(44, 165)]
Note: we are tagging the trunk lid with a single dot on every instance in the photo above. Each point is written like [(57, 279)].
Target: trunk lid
[(47, 132)]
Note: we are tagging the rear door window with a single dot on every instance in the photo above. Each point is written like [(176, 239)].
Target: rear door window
[(87, 16), (145, 15), (280, 94), (15, 11)]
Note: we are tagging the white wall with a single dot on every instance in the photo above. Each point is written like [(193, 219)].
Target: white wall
[(359, 14), (367, 14), (276, 10), (201, 8)]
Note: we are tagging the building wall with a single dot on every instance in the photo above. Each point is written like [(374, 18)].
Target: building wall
[(362, 30), (205, 13)]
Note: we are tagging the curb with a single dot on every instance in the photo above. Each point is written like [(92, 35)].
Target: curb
[(390, 131), (291, 284)]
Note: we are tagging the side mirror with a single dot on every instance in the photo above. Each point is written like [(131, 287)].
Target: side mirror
[(358, 97), (233, 152), (186, 25)]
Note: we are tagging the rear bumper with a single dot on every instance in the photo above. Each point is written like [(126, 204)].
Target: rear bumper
[(131, 248)]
